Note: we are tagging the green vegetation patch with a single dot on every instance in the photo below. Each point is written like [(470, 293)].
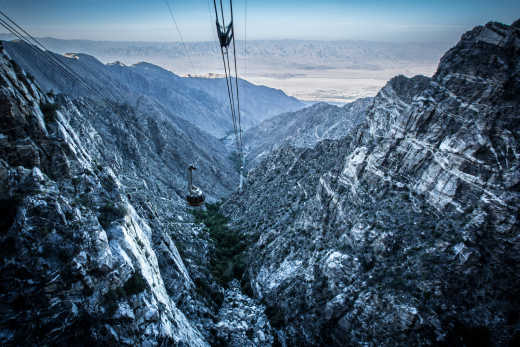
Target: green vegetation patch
[(229, 260)]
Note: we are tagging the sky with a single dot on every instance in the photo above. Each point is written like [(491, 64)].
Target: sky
[(149, 20)]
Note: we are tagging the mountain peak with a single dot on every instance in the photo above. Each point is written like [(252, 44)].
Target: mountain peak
[(117, 63), (487, 51), (150, 66)]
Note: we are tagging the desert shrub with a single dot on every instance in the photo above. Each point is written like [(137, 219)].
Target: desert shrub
[(111, 212), (135, 284), (49, 111)]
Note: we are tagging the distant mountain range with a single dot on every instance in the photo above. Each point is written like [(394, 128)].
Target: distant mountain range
[(327, 71), (201, 101), (306, 54)]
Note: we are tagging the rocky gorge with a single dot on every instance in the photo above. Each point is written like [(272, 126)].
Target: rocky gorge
[(393, 221)]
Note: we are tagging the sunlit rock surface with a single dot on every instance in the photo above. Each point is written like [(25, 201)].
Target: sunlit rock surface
[(406, 232)]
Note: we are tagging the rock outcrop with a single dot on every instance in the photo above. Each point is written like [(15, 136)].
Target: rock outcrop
[(79, 264), (304, 128), (407, 231)]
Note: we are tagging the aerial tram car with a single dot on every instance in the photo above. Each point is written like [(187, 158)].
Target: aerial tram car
[(195, 196)]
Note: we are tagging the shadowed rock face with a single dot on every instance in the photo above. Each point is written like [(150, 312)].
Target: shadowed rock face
[(405, 232)]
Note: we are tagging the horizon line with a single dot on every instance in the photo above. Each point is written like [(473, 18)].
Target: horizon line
[(238, 40)]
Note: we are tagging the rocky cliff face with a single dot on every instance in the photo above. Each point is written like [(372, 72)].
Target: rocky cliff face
[(404, 232), (407, 231), (93, 218), (304, 128), (79, 264)]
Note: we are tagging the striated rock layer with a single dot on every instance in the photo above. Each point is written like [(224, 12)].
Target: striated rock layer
[(79, 265), (303, 128), (406, 232)]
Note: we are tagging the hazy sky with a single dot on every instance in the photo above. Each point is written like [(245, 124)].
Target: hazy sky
[(148, 20)]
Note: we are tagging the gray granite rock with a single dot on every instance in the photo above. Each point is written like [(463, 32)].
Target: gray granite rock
[(303, 128), (79, 264), (407, 231)]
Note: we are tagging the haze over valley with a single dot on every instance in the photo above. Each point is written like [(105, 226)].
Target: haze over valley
[(329, 71)]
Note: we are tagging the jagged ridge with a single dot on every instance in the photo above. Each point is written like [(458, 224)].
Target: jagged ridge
[(304, 128), (405, 233)]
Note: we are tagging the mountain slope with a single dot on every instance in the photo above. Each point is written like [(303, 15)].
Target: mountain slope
[(304, 128), (142, 136), (202, 102), (257, 102), (405, 232), (98, 246), (80, 264)]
